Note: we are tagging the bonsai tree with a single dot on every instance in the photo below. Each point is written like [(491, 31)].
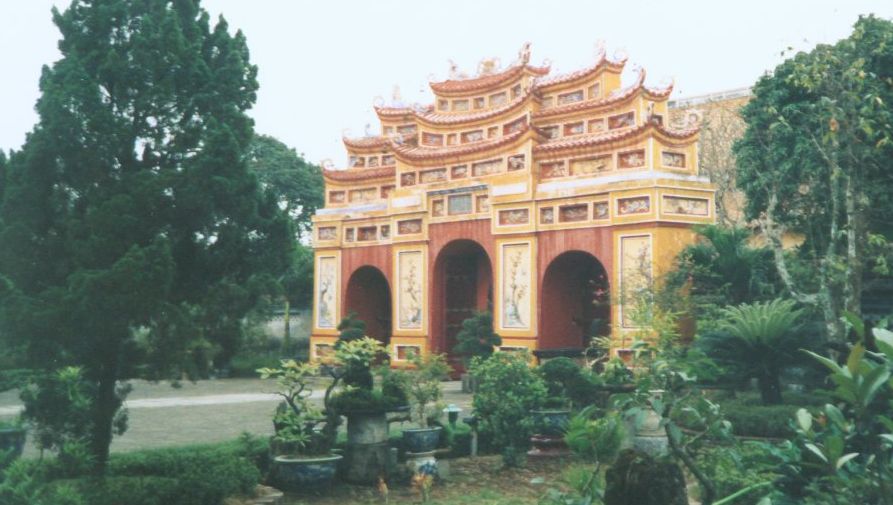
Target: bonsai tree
[(477, 338), (758, 341), (297, 419), (568, 385), (356, 359), (423, 384), (351, 328)]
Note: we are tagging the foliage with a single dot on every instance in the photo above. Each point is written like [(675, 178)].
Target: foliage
[(58, 404), (476, 337), (616, 373), (423, 378), (814, 161), (297, 421), (847, 449), (357, 357), (665, 383), (296, 184), (189, 475), (722, 269), (596, 441), (351, 328), (758, 340), (508, 390), (354, 360), (568, 384), (133, 232)]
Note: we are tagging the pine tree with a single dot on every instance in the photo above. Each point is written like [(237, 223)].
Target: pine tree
[(133, 235)]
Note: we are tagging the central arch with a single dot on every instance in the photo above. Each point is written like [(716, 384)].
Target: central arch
[(369, 295), (575, 301), (463, 284)]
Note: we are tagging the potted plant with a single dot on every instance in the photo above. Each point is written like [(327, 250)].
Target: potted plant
[(365, 405), (12, 441), (304, 434), (423, 377), (476, 339)]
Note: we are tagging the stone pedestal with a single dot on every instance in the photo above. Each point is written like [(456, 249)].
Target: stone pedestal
[(368, 455)]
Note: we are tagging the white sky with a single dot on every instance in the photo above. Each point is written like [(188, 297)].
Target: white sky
[(322, 63)]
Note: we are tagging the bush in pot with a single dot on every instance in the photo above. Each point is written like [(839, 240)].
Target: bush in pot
[(508, 391), (304, 434), (422, 379)]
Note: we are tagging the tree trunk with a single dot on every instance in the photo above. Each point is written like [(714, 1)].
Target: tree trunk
[(770, 387), (286, 335), (106, 404)]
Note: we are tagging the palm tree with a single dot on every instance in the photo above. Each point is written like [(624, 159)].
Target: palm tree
[(758, 340)]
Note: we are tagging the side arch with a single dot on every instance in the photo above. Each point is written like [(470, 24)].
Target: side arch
[(369, 295), (575, 303)]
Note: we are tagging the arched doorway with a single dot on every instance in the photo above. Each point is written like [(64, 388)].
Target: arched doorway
[(575, 304), (369, 295), (463, 284)]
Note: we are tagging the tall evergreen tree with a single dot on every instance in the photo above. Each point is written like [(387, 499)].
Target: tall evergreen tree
[(134, 235)]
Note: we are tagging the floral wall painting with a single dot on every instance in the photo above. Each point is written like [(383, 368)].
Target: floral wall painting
[(686, 206), (513, 217), (600, 210), (327, 233), (547, 215), (409, 297), (631, 159), (326, 285), (516, 280), (635, 277), (409, 227)]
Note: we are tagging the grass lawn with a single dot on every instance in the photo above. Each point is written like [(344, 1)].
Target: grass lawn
[(479, 481)]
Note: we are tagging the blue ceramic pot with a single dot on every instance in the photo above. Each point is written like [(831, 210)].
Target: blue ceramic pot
[(552, 423), (421, 439), (300, 473), (12, 439)]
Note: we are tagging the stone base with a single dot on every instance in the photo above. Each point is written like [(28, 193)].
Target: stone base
[(652, 445), (548, 447)]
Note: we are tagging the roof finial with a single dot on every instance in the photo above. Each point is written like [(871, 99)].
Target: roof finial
[(327, 164), (524, 54), (368, 130), (396, 98), (488, 66), (600, 49)]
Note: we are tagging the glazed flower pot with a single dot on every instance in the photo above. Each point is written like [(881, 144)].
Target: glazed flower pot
[(418, 440), (304, 473), (552, 422), (12, 439)]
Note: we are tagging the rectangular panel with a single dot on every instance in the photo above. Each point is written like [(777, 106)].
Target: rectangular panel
[(516, 162), (366, 233), (436, 175), (631, 159), (624, 120), (686, 206), (572, 213), (363, 195), (409, 227), (516, 286), (591, 166), (601, 211), (409, 296), (672, 159), (326, 291), (459, 171), (326, 233), (635, 278), (459, 204), (635, 205), (486, 168), (513, 217)]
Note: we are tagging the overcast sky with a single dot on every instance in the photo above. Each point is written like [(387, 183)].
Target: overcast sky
[(322, 63)]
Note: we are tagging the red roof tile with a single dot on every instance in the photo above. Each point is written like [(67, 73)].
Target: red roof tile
[(590, 140), (448, 119), (602, 62)]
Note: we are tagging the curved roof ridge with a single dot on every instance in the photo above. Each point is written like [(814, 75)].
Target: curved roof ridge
[(593, 139), (480, 82), (615, 96), (435, 118)]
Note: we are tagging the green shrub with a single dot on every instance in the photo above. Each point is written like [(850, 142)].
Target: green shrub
[(476, 337), (245, 364), (567, 382), (507, 393), (734, 470)]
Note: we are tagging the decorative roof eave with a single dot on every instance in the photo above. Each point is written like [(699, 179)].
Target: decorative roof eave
[(435, 120), (607, 102), (587, 142), (376, 143), (480, 84), (571, 78), (437, 155), (404, 114), (359, 174)]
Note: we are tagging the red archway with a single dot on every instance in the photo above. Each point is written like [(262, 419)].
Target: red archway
[(369, 295), (463, 284), (575, 301)]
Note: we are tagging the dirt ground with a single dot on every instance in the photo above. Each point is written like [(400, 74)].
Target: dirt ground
[(479, 481)]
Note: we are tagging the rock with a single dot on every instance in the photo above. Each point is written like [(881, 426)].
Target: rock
[(638, 479)]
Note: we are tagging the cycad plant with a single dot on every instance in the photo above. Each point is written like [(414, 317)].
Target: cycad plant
[(758, 340)]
